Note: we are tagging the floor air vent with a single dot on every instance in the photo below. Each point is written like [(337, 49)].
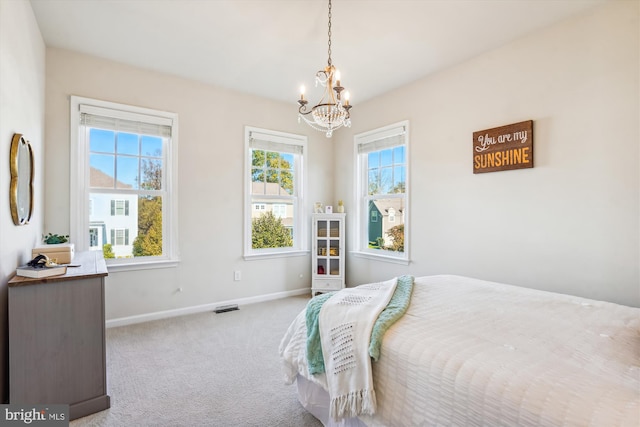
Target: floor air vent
[(225, 308)]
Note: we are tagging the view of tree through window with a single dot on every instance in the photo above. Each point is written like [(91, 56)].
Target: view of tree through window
[(382, 171), (123, 176), (386, 172), (274, 220), (148, 242), (272, 179), (126, 183)]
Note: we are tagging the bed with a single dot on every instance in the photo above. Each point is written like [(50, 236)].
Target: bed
[(469, 352)]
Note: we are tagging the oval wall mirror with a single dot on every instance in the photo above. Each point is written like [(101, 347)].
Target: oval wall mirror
[(21, 190)]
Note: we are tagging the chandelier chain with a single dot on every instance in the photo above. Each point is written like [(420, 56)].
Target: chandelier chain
[(329, 33), (331, 112)]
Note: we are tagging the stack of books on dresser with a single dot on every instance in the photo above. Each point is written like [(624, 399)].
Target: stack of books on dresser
[(40, 272), (48, 261)]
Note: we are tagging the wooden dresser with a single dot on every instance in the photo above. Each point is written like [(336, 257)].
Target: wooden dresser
[(57, 338)]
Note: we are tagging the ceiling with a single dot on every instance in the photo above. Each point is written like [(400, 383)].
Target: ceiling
[(272, 47)]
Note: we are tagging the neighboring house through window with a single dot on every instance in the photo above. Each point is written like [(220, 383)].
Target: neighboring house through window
[(124, 181), (382, 171), (275, 224)]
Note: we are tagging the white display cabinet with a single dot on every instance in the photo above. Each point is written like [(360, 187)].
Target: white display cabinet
[(328, 250)]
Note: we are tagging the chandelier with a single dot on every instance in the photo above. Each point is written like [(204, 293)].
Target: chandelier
[(330, 113)]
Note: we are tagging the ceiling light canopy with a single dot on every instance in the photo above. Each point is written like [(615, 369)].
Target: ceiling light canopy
[(330, 113)]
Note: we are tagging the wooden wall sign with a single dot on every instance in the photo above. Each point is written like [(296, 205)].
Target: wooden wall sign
[(503, 148)]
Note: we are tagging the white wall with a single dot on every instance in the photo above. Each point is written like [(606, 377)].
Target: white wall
[(22, 68), (210, 156), (570, 224)]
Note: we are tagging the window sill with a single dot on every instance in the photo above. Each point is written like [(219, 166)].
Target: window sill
[(383, 258), (251, 257), (115, 267)]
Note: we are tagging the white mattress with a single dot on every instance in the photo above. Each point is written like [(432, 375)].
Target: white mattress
[(470, 352)]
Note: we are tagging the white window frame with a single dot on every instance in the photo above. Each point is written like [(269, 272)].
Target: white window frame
[(361, 191), (300, 238), (79, 180)]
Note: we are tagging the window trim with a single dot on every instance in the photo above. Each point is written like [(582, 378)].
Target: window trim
[(79, 188), (301, 240), (360, 179)]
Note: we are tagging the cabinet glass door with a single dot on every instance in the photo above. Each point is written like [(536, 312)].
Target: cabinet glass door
[(322, 266), (328, 248), (334, 229), (322, 228)]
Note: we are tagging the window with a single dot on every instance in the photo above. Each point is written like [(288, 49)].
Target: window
[(93, 237), (392, 215), (279, 211), (119, 207), (274, 173), (382, 172), (119, 237), (123, 182)]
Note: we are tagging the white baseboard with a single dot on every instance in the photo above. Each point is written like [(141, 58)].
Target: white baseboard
[(130, 320)]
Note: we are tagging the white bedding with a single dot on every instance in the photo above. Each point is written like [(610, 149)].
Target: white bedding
[(470, 352)]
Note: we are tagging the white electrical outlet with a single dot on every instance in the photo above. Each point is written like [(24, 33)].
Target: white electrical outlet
[(237, 275)]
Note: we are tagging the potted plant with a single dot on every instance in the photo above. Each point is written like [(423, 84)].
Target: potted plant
[(56, 246), (54, 239)]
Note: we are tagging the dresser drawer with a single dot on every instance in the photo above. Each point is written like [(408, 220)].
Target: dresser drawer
[(327, 284)]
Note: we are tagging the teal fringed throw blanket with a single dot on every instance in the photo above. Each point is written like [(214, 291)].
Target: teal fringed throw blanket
[(314, 348), (396, 308)]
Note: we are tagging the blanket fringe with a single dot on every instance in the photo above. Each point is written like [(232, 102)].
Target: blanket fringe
[(361, 402)]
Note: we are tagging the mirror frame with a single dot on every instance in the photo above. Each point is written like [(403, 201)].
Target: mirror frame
[(18, 143)]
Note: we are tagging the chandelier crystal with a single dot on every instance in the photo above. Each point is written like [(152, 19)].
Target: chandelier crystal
[(330, 113)]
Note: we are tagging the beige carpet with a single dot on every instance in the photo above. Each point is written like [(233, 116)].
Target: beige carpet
[(204, 369)]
